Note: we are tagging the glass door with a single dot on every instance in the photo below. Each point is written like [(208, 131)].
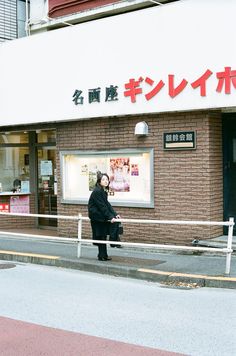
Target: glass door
[(47, 185)]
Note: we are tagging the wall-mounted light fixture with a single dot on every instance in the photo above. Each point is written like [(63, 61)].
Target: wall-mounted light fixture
[(141, 129)]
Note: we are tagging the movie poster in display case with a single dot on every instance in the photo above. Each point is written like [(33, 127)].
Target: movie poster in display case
[(130, 172)]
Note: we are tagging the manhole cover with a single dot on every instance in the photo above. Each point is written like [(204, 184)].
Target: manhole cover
[(7, 265)]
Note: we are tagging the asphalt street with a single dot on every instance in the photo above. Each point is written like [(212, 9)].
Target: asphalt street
[(199, 321)]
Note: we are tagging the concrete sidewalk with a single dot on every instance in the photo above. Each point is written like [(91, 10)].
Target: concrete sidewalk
[(174, 269)]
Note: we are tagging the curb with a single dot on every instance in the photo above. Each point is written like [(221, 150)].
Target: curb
[(122, 271)]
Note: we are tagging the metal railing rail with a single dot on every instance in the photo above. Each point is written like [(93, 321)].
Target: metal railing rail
[(227, 250)]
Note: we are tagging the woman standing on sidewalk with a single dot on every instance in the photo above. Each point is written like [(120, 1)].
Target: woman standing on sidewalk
[(101, 214)]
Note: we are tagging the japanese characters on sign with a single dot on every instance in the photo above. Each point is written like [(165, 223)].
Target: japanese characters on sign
[(179, 140), (4, 207), (226, 81), (94, 95)]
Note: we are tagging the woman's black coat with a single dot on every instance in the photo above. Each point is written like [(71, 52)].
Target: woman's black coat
[(100, 212)]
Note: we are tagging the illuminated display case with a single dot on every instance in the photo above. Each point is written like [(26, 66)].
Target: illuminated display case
[(130, 172)]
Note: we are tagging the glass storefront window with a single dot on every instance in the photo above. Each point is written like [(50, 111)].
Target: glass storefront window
[(14, 165), (13, 137), (46, 136)]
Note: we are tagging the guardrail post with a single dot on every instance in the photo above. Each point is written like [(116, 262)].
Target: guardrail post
[(79, 235), (229, 246)]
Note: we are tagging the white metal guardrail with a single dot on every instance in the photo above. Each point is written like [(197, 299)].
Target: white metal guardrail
[(227, 250)]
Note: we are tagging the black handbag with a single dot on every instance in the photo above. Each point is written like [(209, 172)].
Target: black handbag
[(120, 229)]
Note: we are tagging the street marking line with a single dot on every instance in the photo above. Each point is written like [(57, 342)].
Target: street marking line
[(29, 254), (154, 271), (177, 274), (219, 278)]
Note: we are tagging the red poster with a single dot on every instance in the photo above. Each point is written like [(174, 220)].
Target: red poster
[(4, 207)]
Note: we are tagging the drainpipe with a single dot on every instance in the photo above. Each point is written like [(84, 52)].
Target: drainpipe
[(27, 28)]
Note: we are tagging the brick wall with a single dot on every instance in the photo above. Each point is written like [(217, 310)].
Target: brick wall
[(188, 185)]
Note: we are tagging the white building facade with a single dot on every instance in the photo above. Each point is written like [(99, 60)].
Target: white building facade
[(74, 106)]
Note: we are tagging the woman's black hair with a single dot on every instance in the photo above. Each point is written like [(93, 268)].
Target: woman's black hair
[(99, 178)]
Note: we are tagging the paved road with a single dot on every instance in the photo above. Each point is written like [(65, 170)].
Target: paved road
[(32, 340), (91, 314)]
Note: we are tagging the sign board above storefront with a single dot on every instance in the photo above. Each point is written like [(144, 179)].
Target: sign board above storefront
[(160, 59)]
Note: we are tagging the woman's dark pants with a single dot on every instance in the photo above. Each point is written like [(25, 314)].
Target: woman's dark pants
[(100, 231), (102, 248)]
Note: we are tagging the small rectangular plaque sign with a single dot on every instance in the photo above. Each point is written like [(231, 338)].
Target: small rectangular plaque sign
[(184, 140)]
